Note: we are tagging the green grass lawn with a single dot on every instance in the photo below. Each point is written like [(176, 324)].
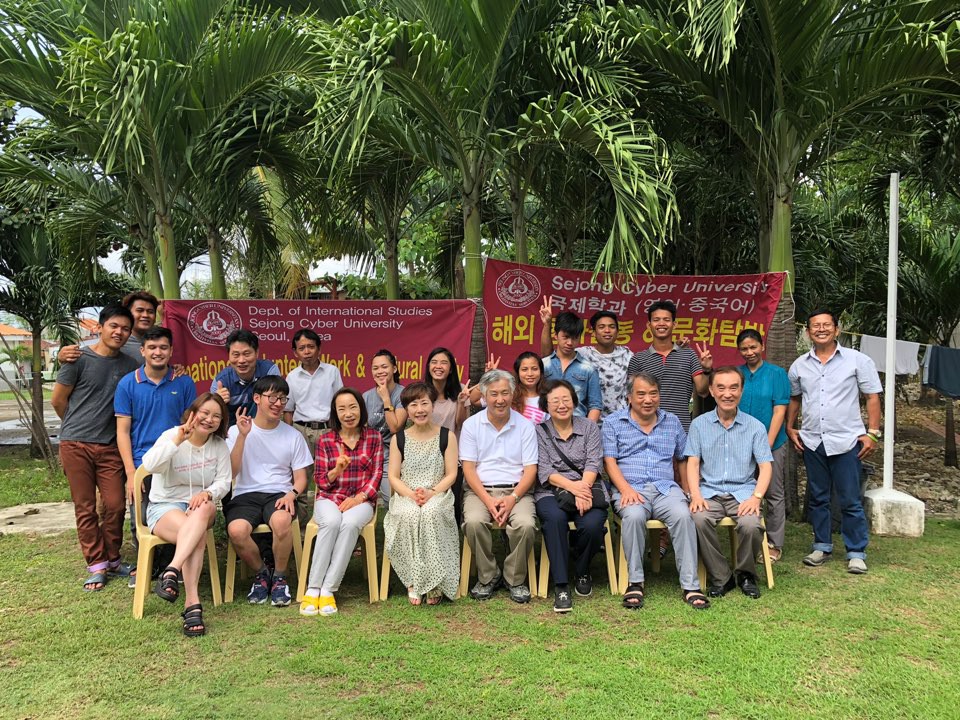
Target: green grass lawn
[(23, 480), (822, 644)]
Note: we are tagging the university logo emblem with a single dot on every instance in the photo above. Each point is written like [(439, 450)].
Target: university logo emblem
[(212, 322), (517, 288)]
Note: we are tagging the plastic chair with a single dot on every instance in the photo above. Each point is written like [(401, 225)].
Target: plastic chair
[(544, 581), (148, 543), (654, 527), (260, 529), (731, 525), (466, 563), (369, 538)]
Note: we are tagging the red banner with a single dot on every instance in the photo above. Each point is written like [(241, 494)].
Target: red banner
[(711, 309), (350, 333)]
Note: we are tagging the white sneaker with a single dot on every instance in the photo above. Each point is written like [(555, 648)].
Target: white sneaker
[(856, 566)]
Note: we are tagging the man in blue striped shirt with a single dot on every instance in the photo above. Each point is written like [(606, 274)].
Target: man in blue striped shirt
[(643, 448), (723, 451)]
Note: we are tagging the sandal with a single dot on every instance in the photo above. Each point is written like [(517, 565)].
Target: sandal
[(193, 621), (168, 584), (96, 582), (696, 599), (633, 597), (434, 597), (413, 597)]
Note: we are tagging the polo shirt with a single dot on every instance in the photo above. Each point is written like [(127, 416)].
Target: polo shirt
[(153, 407), (241, 391), (501, 454), (728, 455), (675, 371), (645, 457), (830, 395), (764, 389), (311, 393), (584, 378)]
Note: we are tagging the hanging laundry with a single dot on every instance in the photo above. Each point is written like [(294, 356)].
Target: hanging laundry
[(907, 362), (945, 370)]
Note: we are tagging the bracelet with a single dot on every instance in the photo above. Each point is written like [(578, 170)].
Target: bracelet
[(296, 493), (873, 437)]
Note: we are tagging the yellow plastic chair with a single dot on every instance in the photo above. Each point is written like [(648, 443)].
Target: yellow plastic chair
[(369, 538), (731, 525), (466, 563), (544, 581), (260, 529), (148, 542), (654, 527)]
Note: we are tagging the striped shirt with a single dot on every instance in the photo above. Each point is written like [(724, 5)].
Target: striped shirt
[(675, 371), (728, 455), (583, 448), (831, 397), (645, 457)]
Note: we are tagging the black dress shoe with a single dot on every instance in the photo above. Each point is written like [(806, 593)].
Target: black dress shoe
[(748, 585), (721, 590)]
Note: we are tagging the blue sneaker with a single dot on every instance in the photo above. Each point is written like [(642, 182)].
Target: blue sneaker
[(260, 590), (280, 593)]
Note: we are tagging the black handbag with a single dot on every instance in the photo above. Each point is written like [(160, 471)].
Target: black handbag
[(566, 500)]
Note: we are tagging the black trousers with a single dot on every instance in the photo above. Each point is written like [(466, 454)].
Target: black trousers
[(588, 538)]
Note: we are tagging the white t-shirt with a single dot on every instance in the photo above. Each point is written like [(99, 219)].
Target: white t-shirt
[(269, 459), (310, 395), (500, 455)]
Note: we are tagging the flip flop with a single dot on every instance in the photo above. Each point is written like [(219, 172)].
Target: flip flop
[(693, 597), (97, 578), (633, 597)]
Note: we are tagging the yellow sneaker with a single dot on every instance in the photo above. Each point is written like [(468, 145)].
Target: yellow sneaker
[(310, 606), (327, 605)]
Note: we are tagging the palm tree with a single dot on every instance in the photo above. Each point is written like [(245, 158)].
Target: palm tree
[(459, 71)]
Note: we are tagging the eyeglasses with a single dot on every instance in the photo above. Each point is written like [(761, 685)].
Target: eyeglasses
[(275, 399), (822, 326)]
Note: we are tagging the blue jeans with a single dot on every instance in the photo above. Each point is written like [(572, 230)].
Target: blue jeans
[(843, 473)]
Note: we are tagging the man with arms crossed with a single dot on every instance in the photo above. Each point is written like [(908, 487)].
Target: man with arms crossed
[(83, 398), (498, 450), (724, 449), (269, 460), (828, 381)]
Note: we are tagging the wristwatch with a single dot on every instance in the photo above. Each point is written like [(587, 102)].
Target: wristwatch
[(388, 408), (515, 497), (757, 495)]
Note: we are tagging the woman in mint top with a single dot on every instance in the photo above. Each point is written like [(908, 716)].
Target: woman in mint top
[(766, 394)]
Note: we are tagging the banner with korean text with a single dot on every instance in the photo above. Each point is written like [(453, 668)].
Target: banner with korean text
[(711, 309), (350, 332)]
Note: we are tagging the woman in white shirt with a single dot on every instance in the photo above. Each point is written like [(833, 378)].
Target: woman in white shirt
[(190, 465)]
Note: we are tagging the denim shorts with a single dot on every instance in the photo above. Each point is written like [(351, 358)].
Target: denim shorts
[(155, 511)]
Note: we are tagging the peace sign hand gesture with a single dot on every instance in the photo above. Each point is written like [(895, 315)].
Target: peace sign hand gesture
[(464, 396), (244, 421), (546, 310), (706, 359), (492, 364), (184, 431)]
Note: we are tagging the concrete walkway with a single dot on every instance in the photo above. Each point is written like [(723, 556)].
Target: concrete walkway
[(38, 518)]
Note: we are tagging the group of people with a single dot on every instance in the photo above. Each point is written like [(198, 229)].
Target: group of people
[(570, 433)]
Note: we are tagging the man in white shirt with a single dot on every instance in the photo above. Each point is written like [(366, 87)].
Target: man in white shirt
[(269, 460), (312, 386), (498, 450)]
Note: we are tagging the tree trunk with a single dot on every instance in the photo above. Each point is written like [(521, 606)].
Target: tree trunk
[(518, 201), (38, 448), (781, 349), (473, 276), (390, 243), (950, 441), (478, 344), (150, 261), (781, 245), (218, 276), (167, 256)]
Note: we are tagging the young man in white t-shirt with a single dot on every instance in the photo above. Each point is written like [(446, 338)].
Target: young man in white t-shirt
[(269, 460)]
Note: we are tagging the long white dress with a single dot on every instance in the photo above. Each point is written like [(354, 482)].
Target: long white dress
[(422, 542)]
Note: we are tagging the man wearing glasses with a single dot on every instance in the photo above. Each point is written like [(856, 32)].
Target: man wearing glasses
[(828, 382), (269, 460)]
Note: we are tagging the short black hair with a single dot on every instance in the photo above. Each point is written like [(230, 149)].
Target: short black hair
[(749, 334), (305, 333), (143, 296), (112, 311), (335, 419), (157, 332), (242, 336), (662, 305), (600, 315), (568, 323), (418, 390), (383, 352), (271, 382), (550, 385), (822, 311)]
